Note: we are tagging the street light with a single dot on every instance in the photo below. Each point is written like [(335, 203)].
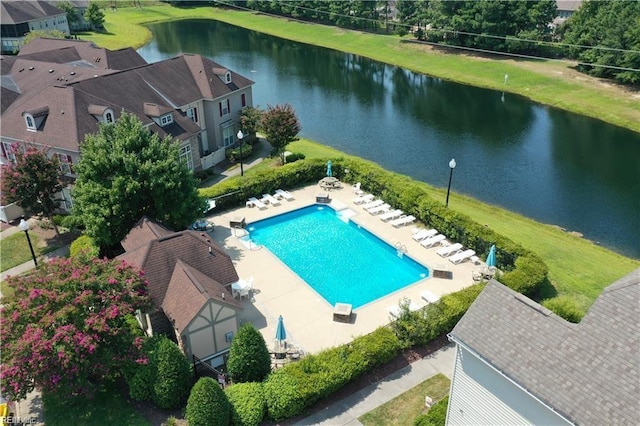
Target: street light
[(452, 165), (240, 135), (24, 226)]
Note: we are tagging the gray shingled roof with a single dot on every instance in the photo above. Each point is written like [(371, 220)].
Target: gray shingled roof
[(16, 12), (588, 372)]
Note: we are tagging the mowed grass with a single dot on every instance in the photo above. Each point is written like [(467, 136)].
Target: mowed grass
[(404, 408), (14, 249), (577, 267), (550, 82)]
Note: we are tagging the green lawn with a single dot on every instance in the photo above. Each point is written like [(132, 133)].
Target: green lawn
[(404, 408), (549, 82), (14, 250)]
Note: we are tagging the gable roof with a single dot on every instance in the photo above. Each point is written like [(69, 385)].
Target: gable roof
[(17, 12), (588, 372), (159, 256), (143, 232), (189, 291)]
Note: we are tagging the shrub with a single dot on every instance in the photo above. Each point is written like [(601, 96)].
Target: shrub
[(173, 377), (436, 416), (248, 404), (58, 219), (295, 156), (565, 307), (84, 246), (233, 154), (207, 404), (249, 359), (70, 222), (141, 376), (281, 392)]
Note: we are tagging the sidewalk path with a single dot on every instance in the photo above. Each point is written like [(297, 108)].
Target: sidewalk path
[(347, 411)]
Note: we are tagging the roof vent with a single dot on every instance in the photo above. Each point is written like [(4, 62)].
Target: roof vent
[(73, 73), (50, 71), (31, 68)]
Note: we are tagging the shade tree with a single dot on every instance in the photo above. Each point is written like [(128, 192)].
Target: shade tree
[(280, 126)]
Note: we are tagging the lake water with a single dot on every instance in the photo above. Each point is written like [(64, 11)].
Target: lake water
[(553, 166)]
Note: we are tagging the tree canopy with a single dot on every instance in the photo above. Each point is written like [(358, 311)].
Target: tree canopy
[(94, 15), (32, 181), (249, 359), (606, 33), (66, 328), (126, 172), (72, 13), (281, 127)]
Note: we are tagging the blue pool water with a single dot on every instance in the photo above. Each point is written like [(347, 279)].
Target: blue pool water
[(340, 260)]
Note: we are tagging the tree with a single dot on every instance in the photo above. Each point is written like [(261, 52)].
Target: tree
[(281, 127), (611, 32), (250, 120), (173, 376), (32, 181), (249, 359), (72, 13), (126, 172), (208, 404), (34, 34), (66, 329), (94, 16)]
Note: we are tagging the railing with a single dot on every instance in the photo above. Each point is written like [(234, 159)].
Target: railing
[(213, 372)]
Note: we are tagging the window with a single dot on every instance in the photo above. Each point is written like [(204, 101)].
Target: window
[(243, 99), (7, 152), (31, 124), (227, 134), (108, 116), (166, 119), (66, 163), (227, 77), (186, 157), (225, 107), (192, 113), (228, 337)]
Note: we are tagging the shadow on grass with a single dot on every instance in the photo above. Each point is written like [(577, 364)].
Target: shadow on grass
[(545, 291)]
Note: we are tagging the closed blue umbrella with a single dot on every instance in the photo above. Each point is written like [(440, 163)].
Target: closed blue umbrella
[(281, 333), (329, 173), (491, 257)]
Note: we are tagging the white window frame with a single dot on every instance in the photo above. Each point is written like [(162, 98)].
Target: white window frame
[(227, 77), (109, 117), (166, 119), (186, 156), (66, 163), (30, 122), (228, 136), (192, 113)]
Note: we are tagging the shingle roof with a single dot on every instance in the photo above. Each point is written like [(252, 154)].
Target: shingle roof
[(188, 292), (588, 372), (17, 12), (158, 258), (142, 233)]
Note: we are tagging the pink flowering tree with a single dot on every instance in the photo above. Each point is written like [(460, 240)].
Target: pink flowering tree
[(66, 329), (32, 181)]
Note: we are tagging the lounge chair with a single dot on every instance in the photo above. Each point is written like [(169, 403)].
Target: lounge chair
[(429, 297), (424, 233), (432, 241), (402, 221), (461, 257), (270, 199), (395, 310), (356, 188), (259, 204), (372, 204), (379, 209), (284, 194), (364, 198), (391, 215), (449, 250)]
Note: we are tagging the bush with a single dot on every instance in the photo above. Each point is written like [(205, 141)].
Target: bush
[(436, 416), (207, 404), (281, 392), (249, 359), (84, 246), (248, 404), (70, 222), (295, 156), (565, 307), (233, 154), (141, 377), (173, 377), (58, 219)]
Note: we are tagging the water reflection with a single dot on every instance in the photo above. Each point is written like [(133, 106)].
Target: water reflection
[(550, 165)]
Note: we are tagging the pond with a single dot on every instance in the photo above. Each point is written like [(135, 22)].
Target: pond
[(553, 166)]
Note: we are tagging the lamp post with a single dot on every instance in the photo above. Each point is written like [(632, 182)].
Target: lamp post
[(452, 165), (24, 225), (240, 135)]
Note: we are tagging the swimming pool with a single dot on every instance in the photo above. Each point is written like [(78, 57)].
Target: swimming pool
[(340, 260)]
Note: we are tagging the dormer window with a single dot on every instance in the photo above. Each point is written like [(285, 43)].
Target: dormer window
[(108, 116), (166, 119), (227, 77), (31, 123)]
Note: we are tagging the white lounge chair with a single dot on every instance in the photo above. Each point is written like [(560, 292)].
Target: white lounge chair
[(259, 204), (424, 233), (394, 311), (356, 188), (461, 257), (364, 198), (284, 194), (270, 199), (429, 297), (447, 251), (372, 204), (391, 215), (402, 221), (432, 241), (379, 209)]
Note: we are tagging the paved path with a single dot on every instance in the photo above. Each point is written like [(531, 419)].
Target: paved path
[(347, 411)]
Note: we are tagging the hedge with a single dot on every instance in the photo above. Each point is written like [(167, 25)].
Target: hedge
[(436, 416), (248, 403)]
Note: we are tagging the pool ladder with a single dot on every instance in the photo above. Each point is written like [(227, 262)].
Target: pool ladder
[(401, 249)]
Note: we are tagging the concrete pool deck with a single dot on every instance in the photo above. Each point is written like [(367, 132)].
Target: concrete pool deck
[(308, 318)]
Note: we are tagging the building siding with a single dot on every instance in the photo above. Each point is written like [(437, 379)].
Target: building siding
[(481, 395)]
